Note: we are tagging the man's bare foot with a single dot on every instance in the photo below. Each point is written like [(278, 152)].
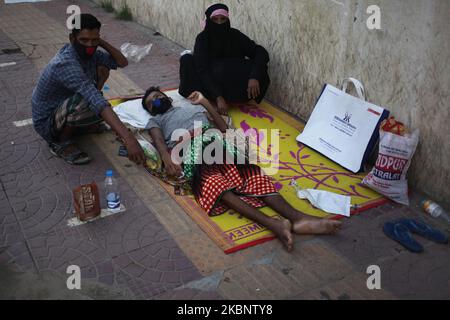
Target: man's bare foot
[(312, 225), (283, 232)]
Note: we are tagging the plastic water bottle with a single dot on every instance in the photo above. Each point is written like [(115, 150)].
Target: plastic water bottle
[(435, 210), (112, 192)]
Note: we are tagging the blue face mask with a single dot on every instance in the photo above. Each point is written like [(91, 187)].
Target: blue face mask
[(160, 106)]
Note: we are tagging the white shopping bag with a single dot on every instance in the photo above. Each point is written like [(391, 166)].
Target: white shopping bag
[(342, 127)]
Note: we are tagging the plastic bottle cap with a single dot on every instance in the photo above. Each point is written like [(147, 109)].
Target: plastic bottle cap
[(109, 173)]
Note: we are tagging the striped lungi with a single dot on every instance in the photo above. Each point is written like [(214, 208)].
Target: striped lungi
[(74, 112)]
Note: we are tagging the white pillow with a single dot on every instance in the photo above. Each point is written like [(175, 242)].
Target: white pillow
[(132, 112)]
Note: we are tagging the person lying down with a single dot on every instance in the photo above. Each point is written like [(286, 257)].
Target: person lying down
[(225, 184)]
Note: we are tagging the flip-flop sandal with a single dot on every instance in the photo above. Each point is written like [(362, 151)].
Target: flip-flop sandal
[(424, 230), (400, 233), (77, 157)]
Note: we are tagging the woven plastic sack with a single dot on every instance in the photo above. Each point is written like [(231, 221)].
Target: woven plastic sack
[(389, 176)]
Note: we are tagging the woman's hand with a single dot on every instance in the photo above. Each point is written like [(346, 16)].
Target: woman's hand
[(197, 97), (222, 106), (253, 89)]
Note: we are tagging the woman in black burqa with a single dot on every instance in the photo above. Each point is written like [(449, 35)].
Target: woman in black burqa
[(226, 66)]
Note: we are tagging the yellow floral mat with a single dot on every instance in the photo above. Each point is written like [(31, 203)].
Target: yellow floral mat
[(232, 232)]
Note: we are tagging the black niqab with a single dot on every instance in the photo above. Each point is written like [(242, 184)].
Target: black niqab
[(219, 35)]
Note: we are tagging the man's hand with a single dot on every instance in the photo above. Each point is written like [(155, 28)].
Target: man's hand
[(115, 53), (135, 152), (172, 169), (222, 106), (253, 89), (197, 98)]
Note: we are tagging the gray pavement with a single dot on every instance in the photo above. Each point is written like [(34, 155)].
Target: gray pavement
[(153, 250)]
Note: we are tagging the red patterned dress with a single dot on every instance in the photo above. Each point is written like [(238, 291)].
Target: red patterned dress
[(247, 181)]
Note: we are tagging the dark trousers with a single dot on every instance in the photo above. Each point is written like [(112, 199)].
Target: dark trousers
[(231, 75)]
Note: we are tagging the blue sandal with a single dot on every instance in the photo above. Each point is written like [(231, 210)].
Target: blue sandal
[(400, 233), (424, 230)]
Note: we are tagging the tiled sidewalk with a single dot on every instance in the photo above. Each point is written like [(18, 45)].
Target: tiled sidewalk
[(154, 250), (131, 252)]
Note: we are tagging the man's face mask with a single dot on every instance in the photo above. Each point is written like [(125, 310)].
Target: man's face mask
[(83, 51), (160, 106)]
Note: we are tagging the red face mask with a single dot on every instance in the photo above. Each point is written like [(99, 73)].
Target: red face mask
[(90, 50), (83, 51)]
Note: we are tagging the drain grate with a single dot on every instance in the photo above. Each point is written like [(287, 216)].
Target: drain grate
[(11, 50)]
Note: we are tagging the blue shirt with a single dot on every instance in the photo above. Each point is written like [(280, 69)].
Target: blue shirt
[(65, 75)]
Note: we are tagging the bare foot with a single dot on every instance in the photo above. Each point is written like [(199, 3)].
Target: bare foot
[(312, 225), (283, 232)]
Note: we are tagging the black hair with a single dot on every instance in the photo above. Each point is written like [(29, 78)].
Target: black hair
[(87, 21), (149, 92)]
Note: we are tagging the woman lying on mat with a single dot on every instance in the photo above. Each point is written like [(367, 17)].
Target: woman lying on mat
[(223, 184), (226, 65)]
